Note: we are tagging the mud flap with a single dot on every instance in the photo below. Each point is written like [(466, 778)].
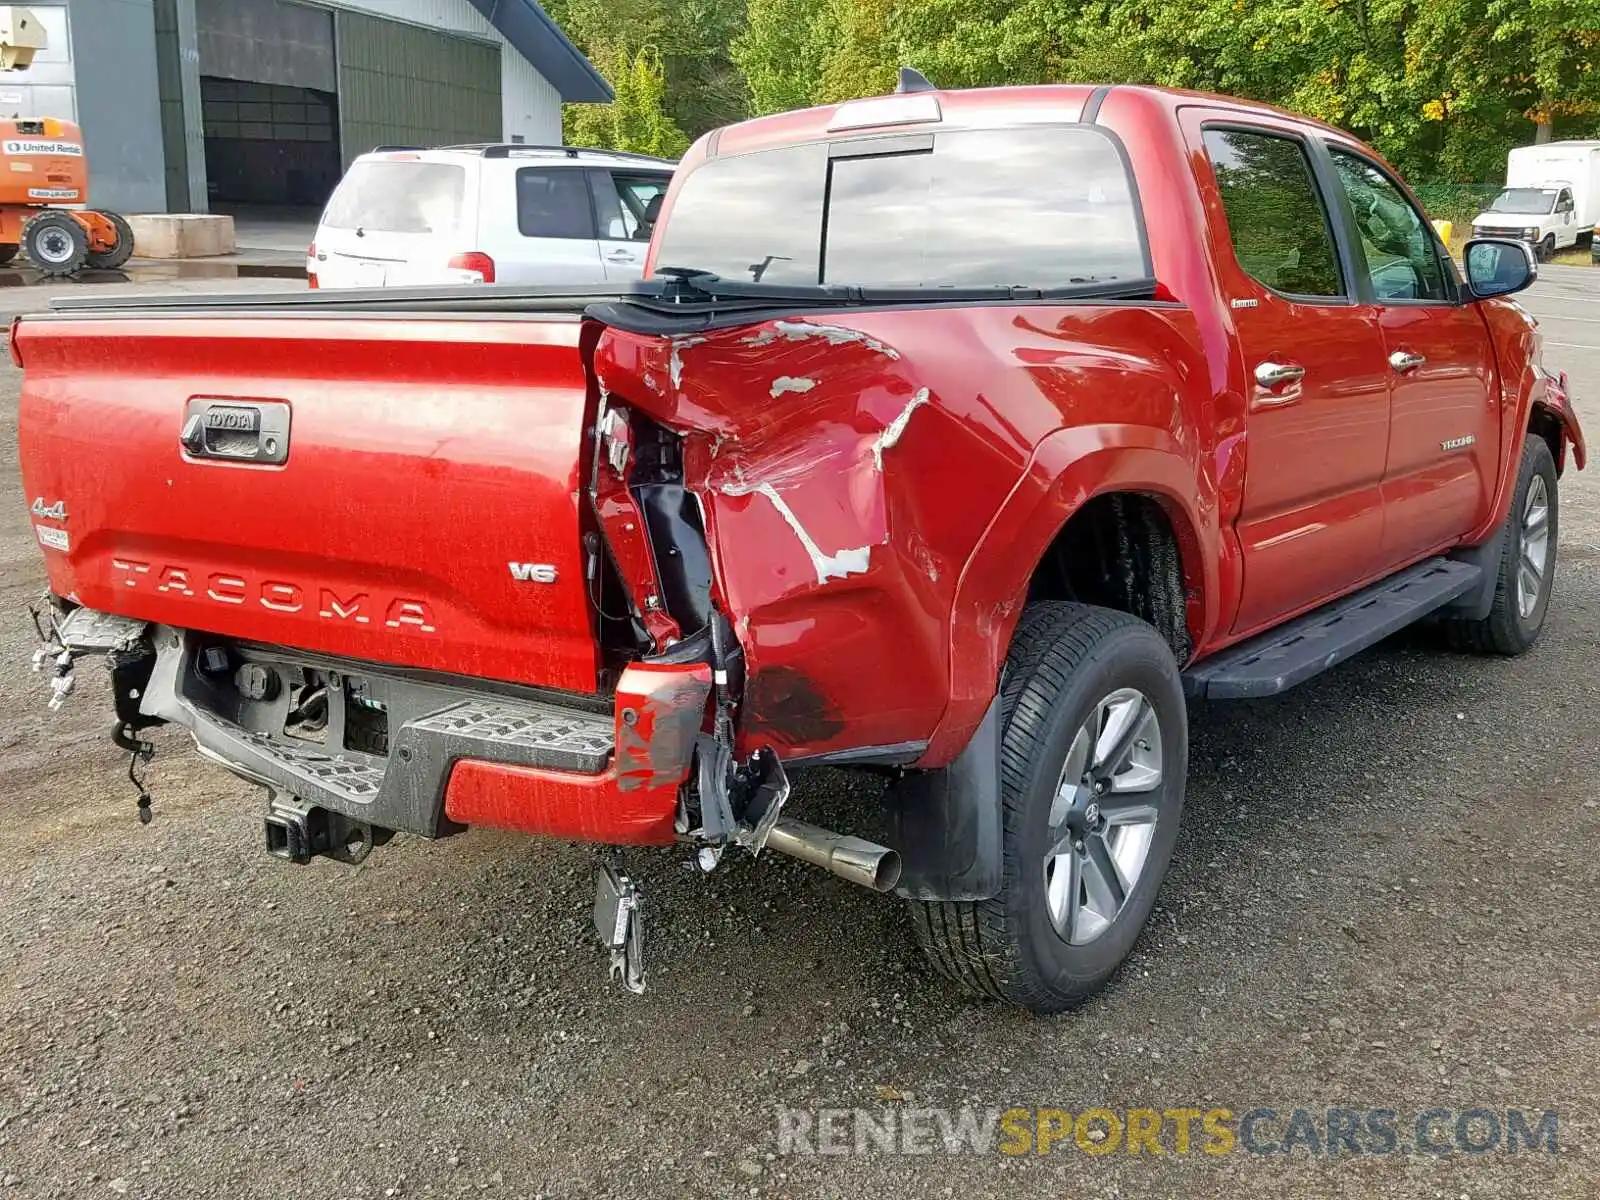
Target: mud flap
[(1477, 603), (946, 823)]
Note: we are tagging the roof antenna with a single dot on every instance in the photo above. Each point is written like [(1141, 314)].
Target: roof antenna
[(913, 80)]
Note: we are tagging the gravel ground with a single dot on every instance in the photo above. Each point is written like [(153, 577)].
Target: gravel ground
[(1382, 899)]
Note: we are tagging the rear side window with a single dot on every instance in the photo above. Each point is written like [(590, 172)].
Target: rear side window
[(1040, 207), (627, 204), (755, 216), (398, 197), (554, 204), (1279, 227)]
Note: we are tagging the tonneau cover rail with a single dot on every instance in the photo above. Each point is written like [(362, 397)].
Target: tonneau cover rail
[(459, 298)]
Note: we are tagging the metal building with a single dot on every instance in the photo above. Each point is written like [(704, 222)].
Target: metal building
[(186, 103)]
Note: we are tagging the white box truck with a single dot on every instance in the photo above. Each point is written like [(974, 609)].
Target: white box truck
[(1551, 198)]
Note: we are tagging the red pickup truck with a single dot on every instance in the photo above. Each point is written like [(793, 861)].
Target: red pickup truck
[(958, 437)]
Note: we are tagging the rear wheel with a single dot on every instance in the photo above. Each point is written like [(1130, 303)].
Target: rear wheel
[(1527, 562), (1093, 762), (121, 250), (55, 243)]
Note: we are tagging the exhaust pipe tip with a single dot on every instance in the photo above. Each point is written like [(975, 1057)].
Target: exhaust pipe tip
[(888, 872), (864, 863), (877, 869)]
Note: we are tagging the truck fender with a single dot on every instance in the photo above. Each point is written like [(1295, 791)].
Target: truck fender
[(1554, 406), (1067, 468), (1529, 395)]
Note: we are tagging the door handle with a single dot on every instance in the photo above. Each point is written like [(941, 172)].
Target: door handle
[(1274, 375), (622, 256), (1403, 361)]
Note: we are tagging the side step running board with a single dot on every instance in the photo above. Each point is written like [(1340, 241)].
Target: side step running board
[(1280, 658)]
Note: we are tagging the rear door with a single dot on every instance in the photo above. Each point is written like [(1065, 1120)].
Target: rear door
[(546, 233), (1317, 418), (1444, 433), (392, 221), (626, 204)]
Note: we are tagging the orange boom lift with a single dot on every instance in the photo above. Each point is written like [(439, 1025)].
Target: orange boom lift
[(42, 165)]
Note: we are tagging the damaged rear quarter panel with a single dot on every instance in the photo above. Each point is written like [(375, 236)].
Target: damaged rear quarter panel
[(848, 465)]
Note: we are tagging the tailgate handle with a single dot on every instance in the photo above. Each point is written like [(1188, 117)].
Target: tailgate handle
[(244, 431)]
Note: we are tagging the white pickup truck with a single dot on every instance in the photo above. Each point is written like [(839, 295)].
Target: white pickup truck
[(1551, 198)]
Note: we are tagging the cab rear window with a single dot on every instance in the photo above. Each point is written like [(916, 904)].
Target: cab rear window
[(379, 196), (1034, 207)]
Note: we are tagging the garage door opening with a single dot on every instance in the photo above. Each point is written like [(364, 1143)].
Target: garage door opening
[(269, 144)]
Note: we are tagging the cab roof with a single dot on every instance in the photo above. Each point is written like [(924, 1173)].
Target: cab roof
[(1011, 105)]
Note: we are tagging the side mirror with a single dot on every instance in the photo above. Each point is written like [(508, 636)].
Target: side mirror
[(1498, 267)]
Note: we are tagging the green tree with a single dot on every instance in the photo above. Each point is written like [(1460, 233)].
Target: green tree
[(782, 52), (1443, 88), (636, 120), (689, 39)]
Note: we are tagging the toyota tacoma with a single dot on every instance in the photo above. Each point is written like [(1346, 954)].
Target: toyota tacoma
[(961, 437)]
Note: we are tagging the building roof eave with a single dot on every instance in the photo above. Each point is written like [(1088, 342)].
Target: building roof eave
[(534, 35)]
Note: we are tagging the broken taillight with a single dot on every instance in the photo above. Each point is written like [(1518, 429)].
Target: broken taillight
[(473, 262)]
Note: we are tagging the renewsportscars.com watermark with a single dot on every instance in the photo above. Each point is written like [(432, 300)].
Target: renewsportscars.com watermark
[(1318, 1133)]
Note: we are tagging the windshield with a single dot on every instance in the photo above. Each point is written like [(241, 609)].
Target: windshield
[(1042, 207), (1524, 200), (397, 197)]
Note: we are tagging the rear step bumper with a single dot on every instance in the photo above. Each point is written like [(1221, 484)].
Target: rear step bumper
[(1294, 652), (456, 757)]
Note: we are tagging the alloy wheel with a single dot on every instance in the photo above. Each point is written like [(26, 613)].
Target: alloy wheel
[(1535, 547), (1103, 816)]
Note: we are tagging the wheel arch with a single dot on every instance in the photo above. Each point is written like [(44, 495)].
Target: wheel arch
[(1556, 424), (1134, 551), (1077, 471)]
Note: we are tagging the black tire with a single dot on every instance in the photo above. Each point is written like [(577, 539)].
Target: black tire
[(1064, 661), (1508, 629), (55, 244), (8, 251), (1547, 248), (120, 252)]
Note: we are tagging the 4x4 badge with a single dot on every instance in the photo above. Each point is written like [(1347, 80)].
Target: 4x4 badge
[(50, 512)]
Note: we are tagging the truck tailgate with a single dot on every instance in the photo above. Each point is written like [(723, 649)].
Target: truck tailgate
[(425, 511)]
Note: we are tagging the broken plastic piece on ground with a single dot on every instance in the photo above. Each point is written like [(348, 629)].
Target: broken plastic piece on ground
[(620, 923)]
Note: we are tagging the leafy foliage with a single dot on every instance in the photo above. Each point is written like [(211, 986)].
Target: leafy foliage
[(637, 119), (1442, 87)]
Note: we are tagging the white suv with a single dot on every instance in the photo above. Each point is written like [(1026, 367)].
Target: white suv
[(488, 214)]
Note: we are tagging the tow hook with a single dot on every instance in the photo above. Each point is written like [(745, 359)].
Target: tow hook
[(619, 920)]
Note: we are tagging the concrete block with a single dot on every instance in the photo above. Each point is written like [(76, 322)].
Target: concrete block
[(181, 235)]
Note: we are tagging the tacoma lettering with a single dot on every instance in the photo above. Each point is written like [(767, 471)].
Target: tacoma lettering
[(275, 595)]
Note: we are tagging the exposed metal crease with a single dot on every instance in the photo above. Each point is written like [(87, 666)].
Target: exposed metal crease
[(839, 565), (890, 436), (834, 335), (675, 363)]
